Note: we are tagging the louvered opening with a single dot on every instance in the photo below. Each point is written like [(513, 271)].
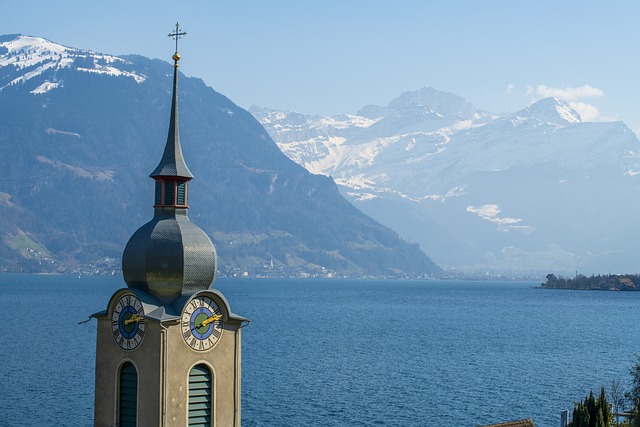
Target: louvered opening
[(168, 192), (158, 199), (181, 198), (200, 396), (128, 395)]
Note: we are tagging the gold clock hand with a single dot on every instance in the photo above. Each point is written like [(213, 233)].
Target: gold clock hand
[(135, 318), (208, 320)]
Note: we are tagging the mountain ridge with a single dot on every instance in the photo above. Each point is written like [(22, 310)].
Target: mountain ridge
[(474, 188), (76, 159)]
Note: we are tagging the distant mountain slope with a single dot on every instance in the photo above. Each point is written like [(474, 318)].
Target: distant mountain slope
[(536, 190), (80, 132)]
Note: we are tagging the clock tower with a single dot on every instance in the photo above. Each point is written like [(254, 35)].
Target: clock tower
[(168, 350)]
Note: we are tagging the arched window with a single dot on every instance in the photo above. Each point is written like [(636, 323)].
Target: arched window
[(128, 403), (200, 396)]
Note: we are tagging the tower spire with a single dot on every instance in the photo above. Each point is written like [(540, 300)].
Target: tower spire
[(172, 163)]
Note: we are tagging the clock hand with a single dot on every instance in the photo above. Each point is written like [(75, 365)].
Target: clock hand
[(135, 318), (208, 320)]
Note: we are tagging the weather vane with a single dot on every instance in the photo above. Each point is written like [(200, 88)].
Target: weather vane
[(177, 34)]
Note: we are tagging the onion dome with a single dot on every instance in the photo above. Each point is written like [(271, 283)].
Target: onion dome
[(170, 256)]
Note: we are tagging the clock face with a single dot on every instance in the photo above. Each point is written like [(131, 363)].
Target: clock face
[(127, 322), (201, 323)]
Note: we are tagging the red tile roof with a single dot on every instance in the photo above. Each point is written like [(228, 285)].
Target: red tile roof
[(520, 423)]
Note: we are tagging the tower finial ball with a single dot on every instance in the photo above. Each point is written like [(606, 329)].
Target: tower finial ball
[(176, 56)]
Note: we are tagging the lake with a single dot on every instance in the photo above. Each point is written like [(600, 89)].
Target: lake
[(345, 353)]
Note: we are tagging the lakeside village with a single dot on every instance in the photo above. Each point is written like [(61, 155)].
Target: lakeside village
[(35, 261), (38, 263), (41, 261), (107, 266)]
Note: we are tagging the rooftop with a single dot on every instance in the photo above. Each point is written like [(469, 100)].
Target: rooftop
[(519, 423)]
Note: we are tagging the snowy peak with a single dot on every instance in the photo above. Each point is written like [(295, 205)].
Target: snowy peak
[(35, 61), (551, 110), (426, 101)]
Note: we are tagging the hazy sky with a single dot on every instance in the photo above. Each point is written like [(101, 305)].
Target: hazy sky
[(331, 57)]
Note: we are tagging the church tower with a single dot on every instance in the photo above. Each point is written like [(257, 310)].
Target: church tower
[(168, 347)]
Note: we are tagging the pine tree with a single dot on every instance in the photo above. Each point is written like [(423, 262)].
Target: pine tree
[(633, 395), (592, 412), (605, 409), (590, 403)]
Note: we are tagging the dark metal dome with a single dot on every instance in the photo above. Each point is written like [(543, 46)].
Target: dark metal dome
[(169, 256)]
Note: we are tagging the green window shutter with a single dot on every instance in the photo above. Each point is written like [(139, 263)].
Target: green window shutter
[(128, 395), (158, 200), (200, 396), (168, 192), (181, 199)]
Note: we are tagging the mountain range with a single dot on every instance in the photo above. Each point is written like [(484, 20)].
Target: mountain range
[(534, 191), (81, 131)]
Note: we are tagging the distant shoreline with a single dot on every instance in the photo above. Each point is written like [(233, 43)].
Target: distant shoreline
[(608, 282)]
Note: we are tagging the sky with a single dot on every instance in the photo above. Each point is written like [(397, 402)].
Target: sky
[(332, 57)]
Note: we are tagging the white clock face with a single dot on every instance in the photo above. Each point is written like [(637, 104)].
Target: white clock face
[(201, 323), (127, 322)]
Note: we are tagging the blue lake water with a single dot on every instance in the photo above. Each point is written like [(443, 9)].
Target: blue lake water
[(345, 353)]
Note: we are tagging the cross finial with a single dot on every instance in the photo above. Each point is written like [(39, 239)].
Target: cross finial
[(177, 34)]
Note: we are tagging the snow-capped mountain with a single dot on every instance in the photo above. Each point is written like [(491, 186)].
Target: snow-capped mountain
[(80, 132), (536, 190), (36, 62)]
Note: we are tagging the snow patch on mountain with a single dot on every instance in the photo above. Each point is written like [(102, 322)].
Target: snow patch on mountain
[(98, 174), (346, 121), (45, 87), (24, 58), (52, 131), (491, 213)]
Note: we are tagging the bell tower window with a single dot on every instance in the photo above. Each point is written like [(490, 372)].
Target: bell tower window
[(158, 198), (181, 196), (200, 396), (128, 402), (170, 192)]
